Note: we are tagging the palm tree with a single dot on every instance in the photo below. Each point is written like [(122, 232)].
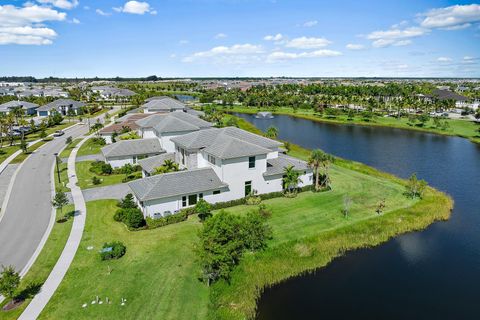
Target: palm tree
[(167, 166), (315, 160), (272, 132), (291, 179)]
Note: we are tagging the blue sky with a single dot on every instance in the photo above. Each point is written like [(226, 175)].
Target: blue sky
[(236, 38)]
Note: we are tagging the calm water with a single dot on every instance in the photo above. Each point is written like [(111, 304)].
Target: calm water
[(433, 274)]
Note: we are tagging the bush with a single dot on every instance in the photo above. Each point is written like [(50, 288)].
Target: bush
[(174, 218), (96, 180), (113, 250), (119, 215), (204, 210), (134, 218), (101, 168), (128, 169), (127, 202), (130, 177), (99, 141)]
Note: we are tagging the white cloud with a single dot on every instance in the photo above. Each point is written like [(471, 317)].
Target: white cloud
[(24, 25), (62, 4), (311, 23), (444, 59), (182, 42), (284, 56), (451, 18), (353, 46), (307, 43), (103, 13), (220, 35), (276, 37), (238, 51), (469, 60), (136, 7), (395, 36), (75, 21)]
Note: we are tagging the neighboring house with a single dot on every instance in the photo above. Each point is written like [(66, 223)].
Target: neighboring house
[(238, 163), (460, 101), (28, 107), (170, 125), (126, 122), (112, 94), (151, 163), (61, 105), (163, 104), (130, 151)]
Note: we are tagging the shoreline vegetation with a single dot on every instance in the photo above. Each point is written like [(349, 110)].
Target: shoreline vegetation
[(458, 128)]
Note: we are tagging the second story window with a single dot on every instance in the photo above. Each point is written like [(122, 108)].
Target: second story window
[(251, 162)]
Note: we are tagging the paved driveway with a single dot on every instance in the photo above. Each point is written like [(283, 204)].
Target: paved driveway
[(116, 191), (29, 209)]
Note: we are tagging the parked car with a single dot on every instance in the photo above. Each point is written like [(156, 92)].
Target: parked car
[(58, 133)]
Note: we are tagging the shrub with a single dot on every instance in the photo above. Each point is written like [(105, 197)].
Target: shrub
[(119, 215), (112, 250), (99, 141), (174, 218), (134, 218), (130, 177), (101, 168), (96, 180), (127, 202), (204, 210)]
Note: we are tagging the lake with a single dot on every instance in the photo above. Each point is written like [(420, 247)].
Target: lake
[(433, 274)]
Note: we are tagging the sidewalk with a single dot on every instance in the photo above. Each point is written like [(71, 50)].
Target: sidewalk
[(61, 267)]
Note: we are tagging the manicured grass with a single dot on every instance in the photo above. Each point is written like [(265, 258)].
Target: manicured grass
[(42, 267), (68, 149), (159, 275), (89, 147), (462, 128), (85, 176), (62, 126), (7, 151), (22, 156)]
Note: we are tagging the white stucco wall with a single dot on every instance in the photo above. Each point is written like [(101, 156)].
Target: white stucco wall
[(119, 162)]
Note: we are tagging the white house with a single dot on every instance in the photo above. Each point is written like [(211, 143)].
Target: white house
[(167, 126), (130, 151), (28, 107), (220, 165), (63, 106), (163, 104)]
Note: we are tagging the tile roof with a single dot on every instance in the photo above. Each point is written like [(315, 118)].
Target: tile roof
[(176, 183), (132, 148), (149, 164), (277, 165), (173, 122), (163, 103), (61, 103), (16, 104)]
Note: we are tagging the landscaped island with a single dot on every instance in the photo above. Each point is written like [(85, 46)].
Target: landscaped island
[(159, 276)]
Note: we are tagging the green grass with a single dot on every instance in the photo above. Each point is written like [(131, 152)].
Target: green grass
[(462, 128), (89, 147), (7, 151), (158, 275), (62, 126), (42, 267), (63, 167), (22, 156), (68, 149), (85, 176)]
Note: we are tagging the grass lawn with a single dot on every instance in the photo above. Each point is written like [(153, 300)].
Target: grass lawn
[(22, 156), (463, 128), (62, 126), (89, 147), (85, 176), (68, 149), (159, 275), (7, 151), (40, 270)]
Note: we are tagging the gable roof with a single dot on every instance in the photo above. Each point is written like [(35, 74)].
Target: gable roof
[(448, 95), (149, 164), (163, 103), (132, 148), (57, 104), (176, 183)]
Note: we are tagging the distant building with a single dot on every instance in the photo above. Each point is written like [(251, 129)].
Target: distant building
[(29, 108), (63, 106)]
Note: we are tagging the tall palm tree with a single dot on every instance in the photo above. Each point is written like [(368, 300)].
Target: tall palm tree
[(315, 161)]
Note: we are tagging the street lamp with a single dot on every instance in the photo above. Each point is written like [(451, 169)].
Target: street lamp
[(58, 169)]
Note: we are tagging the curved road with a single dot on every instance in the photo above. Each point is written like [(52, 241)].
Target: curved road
[(29, 210)]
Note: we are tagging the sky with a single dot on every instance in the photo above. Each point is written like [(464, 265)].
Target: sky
[(239, 38)]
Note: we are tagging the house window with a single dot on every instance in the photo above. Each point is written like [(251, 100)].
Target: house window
[(200, 195), (211, 159), (251, 162), (183, 156), (216, 192), (184, 201), (248, 188), (192, 199)]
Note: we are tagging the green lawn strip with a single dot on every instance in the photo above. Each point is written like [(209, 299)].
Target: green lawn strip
[(68, 149), (44, 264), (85, 176), (89, 147), (7, 151), (157, 275), (462, 128), (62, 126), (22, 156)]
